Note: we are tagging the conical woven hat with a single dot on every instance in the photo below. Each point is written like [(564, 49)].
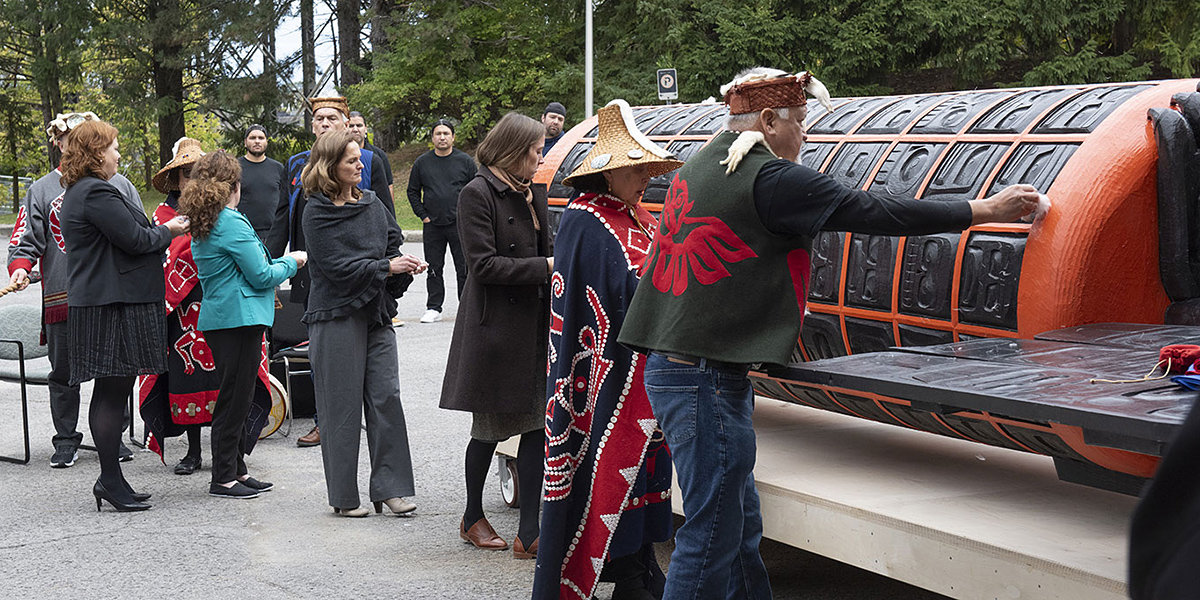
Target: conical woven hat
[(185, 152), (621, 144)]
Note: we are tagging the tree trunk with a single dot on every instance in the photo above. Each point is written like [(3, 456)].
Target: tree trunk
[(167, 67), (168, 86), (147, 163), (349, 40), (12, 149), (386, 136), (308, 57), (49, 84)]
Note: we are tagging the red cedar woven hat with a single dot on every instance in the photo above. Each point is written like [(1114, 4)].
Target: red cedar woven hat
[(757, 92), (335, 102), (185, 152), (622, 144)]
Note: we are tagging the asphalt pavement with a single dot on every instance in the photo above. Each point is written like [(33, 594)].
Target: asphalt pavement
[(288, 543)]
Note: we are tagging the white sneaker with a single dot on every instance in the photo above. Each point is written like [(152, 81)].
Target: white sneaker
[(431, 316)]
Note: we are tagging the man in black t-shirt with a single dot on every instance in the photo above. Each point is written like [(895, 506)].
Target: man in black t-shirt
[(261, 180), (433, 186)]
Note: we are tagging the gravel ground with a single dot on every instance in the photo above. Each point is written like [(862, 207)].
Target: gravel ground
[(287, 543)]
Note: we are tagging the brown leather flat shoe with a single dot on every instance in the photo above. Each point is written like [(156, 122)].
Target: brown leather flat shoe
[(519, 550), (310, 439), (482, 535)]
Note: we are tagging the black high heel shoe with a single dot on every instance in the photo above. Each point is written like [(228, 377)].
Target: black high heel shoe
[(101, 493), (137, 496)]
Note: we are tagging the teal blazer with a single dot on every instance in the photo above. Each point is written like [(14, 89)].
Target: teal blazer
[(237, 276)]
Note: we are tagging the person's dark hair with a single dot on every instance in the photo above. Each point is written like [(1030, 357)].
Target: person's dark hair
[(320, 173), (506, 144), (253, 128), (441, 122), (85, 154), (214, 177), (592, 183), (355, 113)]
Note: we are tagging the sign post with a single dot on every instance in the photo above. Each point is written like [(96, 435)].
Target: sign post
[(668, 85)]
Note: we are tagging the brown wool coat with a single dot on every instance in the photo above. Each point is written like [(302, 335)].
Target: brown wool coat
[(497, 361)]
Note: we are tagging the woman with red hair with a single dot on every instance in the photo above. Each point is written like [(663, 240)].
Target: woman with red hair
[(116, 288)]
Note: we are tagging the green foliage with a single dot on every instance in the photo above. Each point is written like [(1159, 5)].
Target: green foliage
[(474, 60)]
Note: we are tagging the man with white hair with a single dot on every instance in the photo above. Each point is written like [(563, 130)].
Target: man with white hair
[(37, 238), (725, 289)]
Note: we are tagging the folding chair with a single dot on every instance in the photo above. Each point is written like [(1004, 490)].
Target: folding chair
[(23, 359)]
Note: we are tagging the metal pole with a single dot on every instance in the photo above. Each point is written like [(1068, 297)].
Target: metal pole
[(587, 63)]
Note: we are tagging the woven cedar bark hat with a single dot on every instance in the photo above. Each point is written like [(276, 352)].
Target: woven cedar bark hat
[(185, 152), (781, 91), (65, 122), (335, 102), (621, 144)]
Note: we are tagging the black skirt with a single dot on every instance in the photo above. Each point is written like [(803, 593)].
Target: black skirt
[(117, 340)]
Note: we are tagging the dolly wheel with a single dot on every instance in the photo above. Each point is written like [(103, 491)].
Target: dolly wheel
[(509, 491)]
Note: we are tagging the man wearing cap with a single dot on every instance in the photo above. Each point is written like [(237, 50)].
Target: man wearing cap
[(329, 114), (357, 126), (725, 288), (555, 119), (37, 236), (436, 179), (262, 178)]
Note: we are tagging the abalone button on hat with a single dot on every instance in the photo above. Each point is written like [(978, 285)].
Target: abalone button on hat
[(636, 154), (599, 161)]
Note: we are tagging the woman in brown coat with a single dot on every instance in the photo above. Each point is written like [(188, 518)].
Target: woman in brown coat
[(497, 364)]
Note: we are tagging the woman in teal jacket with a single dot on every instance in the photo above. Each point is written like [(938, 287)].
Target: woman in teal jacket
[(238, 278)]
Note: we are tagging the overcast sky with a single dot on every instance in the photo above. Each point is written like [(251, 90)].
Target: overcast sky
[(288, 41)]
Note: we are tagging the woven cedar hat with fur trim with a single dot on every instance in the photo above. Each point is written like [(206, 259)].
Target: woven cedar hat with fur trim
[(621, 144), (65, 122), (335, 102), (758, 92), (185, 152)]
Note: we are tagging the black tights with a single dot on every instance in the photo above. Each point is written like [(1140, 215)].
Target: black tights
[(530, 462), (193, 435), (106, 416)]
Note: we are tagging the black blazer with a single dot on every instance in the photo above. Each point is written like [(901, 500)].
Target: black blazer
[(114, 254)]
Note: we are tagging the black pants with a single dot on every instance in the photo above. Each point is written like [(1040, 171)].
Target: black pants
[(437, 237), (237, 353)]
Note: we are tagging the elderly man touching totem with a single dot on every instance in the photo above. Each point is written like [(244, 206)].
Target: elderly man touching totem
[(724, 289)]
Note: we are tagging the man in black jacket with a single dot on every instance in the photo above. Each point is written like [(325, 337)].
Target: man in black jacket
[(357, 126), (433, 186)]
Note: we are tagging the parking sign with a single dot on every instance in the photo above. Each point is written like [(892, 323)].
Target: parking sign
[(668, 85)]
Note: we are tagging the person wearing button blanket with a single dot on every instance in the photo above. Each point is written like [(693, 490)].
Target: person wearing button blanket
[(497, 363), (608, 471), (357, 273)]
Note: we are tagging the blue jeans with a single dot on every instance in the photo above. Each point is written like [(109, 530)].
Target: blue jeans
[(705, 413)]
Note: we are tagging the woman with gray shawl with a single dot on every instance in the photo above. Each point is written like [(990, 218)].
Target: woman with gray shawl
[(357, 273)]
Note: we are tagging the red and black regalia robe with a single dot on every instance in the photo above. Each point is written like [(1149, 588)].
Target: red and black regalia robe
[(608, 471), (187, 393)]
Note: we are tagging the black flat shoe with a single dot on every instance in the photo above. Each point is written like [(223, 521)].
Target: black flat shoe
[(237, 490), (101, 493), (254, 484), (188, 465)]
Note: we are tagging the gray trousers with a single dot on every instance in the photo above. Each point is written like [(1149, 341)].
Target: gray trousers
[(64, 397), (355, 367)]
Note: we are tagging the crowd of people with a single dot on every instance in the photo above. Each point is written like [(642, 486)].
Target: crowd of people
[(616, 350)]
